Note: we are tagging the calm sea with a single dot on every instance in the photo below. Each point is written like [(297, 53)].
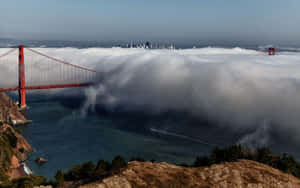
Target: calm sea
[(65, 137)]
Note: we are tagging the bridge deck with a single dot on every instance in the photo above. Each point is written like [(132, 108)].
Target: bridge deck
[(46, 87)]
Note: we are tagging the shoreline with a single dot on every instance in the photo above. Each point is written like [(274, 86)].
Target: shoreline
[(26, 169), (11, 117), (21, 171)]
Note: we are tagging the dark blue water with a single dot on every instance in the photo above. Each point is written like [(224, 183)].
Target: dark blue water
[(65, 137)]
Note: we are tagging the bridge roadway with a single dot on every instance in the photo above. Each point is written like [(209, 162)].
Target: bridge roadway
[(46, 87)]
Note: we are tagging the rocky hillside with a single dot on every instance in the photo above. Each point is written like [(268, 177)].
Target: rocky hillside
[(243, 173), (13, 147), (9, 111)]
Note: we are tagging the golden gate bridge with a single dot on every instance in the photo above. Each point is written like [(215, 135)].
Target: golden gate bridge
[(44, 72)]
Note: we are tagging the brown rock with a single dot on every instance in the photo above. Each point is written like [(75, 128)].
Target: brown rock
[(10, 116), (241, 174), (19, 153), (9, 111), (40, 160)]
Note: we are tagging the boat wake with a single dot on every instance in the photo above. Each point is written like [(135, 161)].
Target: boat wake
[(163, 132)]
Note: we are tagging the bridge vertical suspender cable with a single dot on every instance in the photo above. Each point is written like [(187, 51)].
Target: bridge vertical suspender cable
[(63, 72)]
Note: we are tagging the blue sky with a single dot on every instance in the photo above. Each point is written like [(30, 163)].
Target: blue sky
[(240, 20)]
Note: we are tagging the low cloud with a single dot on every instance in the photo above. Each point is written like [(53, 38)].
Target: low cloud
[(236, 88)]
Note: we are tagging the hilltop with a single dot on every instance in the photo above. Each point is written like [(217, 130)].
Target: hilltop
[(243, 173)]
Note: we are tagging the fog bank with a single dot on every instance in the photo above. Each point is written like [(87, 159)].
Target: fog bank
[(237, 88)]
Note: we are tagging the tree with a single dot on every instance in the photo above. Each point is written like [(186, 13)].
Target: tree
[(287, 163), (102, 169), (28, 181), (263, 155), (202, 161), (83, 171), (3, 176), (118, 163), (59, 177)]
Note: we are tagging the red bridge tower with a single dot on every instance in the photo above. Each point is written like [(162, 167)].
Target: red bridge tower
[(78, 75), (22, 90)]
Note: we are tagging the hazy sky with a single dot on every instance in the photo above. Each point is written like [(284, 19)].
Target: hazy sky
[(239, 20)]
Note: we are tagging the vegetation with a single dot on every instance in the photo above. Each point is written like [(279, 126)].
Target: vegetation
[(10, 137), (118, 163), (22, 150), (8, 141), (3, 176), (284, 162), (88, 172), (18, 130), (25, 182), (102, 170), (84, 173), (59, 177)]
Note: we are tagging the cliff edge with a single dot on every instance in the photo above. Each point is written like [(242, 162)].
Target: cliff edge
[(13, 146), (9, 111)]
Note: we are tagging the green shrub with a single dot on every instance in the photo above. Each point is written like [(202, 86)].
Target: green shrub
[(59, 178), (8, 141), (18, 130), (25, 182), (10, 136), (89, 172), (83, 171), (263, 155), (229, 154), (102, 170), (285, 162), (21, 150), (288, 164), (87, 169), (202, 161), (117, 163), (5, 152), (103, 165), (3, 176)]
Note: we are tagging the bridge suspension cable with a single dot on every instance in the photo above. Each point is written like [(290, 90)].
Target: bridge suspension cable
[(45, 72), (60, 61), (8, 52)]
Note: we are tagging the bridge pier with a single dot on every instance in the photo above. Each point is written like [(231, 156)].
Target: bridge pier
[(22, 90)]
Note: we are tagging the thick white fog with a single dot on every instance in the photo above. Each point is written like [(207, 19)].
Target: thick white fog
[(237, 88)]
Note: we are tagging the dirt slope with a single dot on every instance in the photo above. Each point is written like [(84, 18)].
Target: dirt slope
[(243, 173)]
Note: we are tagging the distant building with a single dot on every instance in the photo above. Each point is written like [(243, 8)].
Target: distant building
[(148, 45)]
